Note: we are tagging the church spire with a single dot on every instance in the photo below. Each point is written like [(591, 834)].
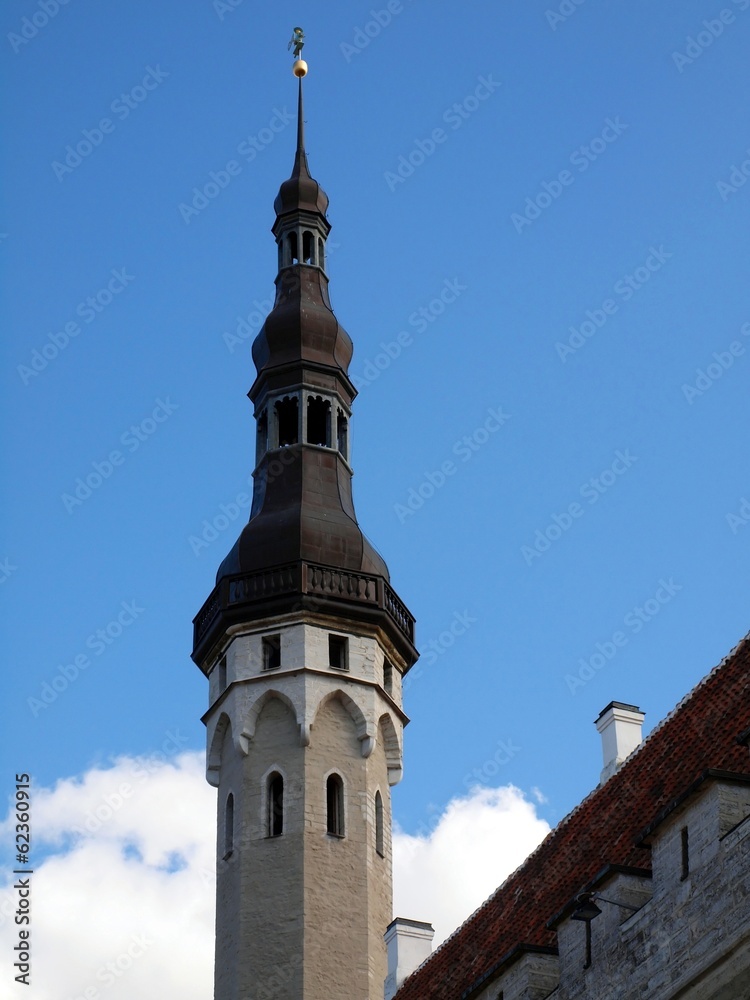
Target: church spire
[(300, 126), (304, 643), (303, 510)]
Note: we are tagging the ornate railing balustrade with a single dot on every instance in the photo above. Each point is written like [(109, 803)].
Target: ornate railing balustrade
[(304, 578)]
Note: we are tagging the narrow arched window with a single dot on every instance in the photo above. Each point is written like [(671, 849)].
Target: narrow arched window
[(321, 254), (335, 805), (307, 247), (275, 800), (318, 421), (262, 436), (287, 421), (229, 825), (341, 434), (293, 258), (379, 841)]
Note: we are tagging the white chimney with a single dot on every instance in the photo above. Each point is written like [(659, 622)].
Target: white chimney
[(409, 943), (620, 726)]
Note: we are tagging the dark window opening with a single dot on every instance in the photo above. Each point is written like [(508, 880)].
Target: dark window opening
[(685, 854), (229, 826), (262, 435), (321, 253), (335, 805), (275, 797), (293, 257), (337, 652), (271, 652), (318, 411), (307, 247), (342, 434), (222, 673), (286, 417), (379, 841), (388, 676)]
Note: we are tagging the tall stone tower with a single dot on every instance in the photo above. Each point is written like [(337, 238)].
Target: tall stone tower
[(305, 645)]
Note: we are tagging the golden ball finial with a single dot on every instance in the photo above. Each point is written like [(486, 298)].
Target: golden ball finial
[(300, 68)]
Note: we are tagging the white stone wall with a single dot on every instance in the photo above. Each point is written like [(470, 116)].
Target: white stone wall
[(303, 914)]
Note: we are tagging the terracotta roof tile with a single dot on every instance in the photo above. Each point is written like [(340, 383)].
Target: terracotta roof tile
[(699, 734)]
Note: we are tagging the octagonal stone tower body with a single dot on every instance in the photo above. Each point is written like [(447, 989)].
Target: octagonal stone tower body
[(305, 645)]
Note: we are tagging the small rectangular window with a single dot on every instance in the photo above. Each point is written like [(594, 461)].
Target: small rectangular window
[(271, 652), (337, 652), (685, 853), (222, 674)]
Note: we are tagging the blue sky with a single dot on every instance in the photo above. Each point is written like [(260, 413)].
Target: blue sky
[(572, 185)]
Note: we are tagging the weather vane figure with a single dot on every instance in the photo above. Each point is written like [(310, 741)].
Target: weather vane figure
[(298, 41)]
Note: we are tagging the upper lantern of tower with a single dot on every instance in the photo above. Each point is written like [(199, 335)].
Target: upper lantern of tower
[(301, 329), (301, 192)]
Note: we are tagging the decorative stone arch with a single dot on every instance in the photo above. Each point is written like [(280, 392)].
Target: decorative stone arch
[(257, 707), (213, 759), (364, 735), (388, 733)]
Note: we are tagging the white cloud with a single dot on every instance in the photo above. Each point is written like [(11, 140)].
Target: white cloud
[(122, 902), (123, 890), (444, 874)]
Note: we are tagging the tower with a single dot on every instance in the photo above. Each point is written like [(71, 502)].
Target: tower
[(305, 645)]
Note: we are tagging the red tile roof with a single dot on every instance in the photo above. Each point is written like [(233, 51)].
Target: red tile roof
[(699, 734)]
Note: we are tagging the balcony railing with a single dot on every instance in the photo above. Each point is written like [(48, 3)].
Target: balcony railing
[(310, 580)]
